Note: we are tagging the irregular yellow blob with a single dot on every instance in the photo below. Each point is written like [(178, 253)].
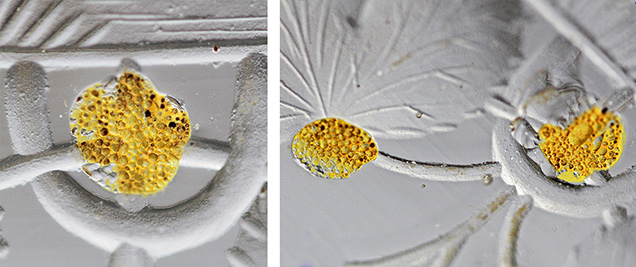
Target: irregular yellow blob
[(333, 148), (593, 141), (131, 131)]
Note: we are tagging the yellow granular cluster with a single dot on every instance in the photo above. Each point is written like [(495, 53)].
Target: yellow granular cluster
[(333, 148), (135, 128), (593, 141)]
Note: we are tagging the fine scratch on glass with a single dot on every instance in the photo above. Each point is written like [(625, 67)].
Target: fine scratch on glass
[(119, 175), (555, 143)]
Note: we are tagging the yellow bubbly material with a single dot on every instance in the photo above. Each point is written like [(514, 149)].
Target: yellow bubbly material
[(134, 130), (333, 148), (593, 141)]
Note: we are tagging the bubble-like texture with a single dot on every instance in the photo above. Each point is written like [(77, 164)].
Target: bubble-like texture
[(333, 148), (593, 141), (131, 130)]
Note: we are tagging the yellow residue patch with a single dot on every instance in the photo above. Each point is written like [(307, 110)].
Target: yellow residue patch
[(333, 148), (593, 141), (132, 128)]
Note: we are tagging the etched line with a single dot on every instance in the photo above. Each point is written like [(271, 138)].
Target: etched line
[(392, 43), (334, 67), (15, 12), (320, 34), (290, 39), (70, 19), (390, 108), (296, 95), (52, 6), (109, 2), (292, 116), (294, 107), (440, 74), (295, 70), (214, 31), (90, 33), (307, 61)]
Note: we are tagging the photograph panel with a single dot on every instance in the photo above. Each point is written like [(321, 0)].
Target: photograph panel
[(456, 133), (132, 133)]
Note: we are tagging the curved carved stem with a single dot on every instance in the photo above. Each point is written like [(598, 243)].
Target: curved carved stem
[(18, 169), (510, 230), (160, 232), (438, 171), (443, 250), (578, 201)]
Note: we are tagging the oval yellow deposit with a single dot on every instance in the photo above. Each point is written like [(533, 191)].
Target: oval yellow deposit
[(333, 148)]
